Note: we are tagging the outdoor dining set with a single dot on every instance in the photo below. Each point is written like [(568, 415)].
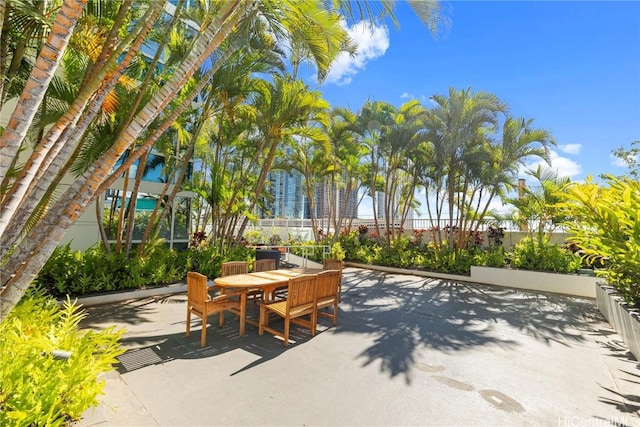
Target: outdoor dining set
[(297, 295)]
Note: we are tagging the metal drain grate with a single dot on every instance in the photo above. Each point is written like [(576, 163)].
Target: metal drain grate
[(136, 359)]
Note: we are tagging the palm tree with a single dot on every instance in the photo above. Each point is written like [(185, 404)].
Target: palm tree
[(29, 253), (287, 110), (538, 205), (455, 125), (397, 145)]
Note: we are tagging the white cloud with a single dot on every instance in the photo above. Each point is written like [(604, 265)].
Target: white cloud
[(563, 166), (570, 148), (407, 95), (373, 42)]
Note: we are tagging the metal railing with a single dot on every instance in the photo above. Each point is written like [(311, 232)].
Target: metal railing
[(303, 251)]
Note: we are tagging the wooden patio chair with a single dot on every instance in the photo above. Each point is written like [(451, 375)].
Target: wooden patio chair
[(301, 301), (264, 265), (200, 303), (234, 267), (328, 285), (255, 295), (231, 268), (334, 264)]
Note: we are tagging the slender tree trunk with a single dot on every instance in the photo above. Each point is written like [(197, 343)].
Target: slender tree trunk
[(104, 238), (52, 157), (172, 196), (4, 46), (262, 178), (131, 217), (38, 82), (33, 251)]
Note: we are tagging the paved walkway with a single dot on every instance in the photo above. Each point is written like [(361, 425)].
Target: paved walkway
[(407, 351)]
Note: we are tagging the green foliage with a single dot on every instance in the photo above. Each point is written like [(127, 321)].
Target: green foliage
[(449, 260), (38, 389), (75, 273), (630, 157), (405, 252), (490, 258), (605, 224), (541, 255), (337, 252)]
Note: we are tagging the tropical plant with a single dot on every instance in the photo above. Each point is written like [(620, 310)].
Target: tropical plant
[(542, 255), (49, 374), (467, 164), (25, 249), (536, 209), (603, 221)]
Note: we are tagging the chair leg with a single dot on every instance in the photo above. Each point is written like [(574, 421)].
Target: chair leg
[(203, 333), (263, 312), (286, 331), (335, 313), (188, 322), (314, 321), (221, 320)]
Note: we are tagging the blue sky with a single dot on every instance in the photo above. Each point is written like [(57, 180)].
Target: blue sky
[(573, 67)]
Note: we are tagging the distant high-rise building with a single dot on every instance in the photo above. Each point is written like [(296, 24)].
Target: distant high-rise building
[(287, 196), (336, 201)]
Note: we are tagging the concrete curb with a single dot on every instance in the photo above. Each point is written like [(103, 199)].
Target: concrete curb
[(93, 300)]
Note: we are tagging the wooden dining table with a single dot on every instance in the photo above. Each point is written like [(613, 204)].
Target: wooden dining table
[(265, 281)]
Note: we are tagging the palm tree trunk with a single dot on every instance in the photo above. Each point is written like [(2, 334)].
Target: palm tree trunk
[(4, 45), (131, 217), (104, 238), (262, 178), (32, 252), (52, 156), (41, 75), (172, 196)]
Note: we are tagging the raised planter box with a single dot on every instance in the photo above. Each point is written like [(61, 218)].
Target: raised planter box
[(569, 284), (566, 284), (624, 319)]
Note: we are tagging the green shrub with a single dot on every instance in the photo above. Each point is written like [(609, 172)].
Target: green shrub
[(605, 225), (490, 258), (74, 273), (446, 260), (36, 387), (541, 255)]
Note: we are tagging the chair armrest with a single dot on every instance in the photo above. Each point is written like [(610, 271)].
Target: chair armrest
[(213, 288), (228, 295)]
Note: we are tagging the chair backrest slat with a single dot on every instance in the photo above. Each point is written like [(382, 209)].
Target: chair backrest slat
[(302, 290), (234, 267), (197, 289), (328, 283), (332, 264), (264, 265)]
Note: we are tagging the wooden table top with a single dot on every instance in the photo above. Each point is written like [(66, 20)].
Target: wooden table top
[(263, 278)]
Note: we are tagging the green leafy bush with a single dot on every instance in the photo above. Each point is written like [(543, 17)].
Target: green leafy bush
[(74, 273), (446, 260), (490, 258), (37, 388), (605, 224), (541, 255)]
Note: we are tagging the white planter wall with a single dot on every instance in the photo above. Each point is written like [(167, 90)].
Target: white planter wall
[(569, 284), (625, 320)]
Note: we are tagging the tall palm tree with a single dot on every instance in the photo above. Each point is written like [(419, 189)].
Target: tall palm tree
[(29, 253), (397, 145), (287, 109), (457, 124)]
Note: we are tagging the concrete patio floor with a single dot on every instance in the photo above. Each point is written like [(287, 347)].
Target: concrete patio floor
[(406, 351)]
